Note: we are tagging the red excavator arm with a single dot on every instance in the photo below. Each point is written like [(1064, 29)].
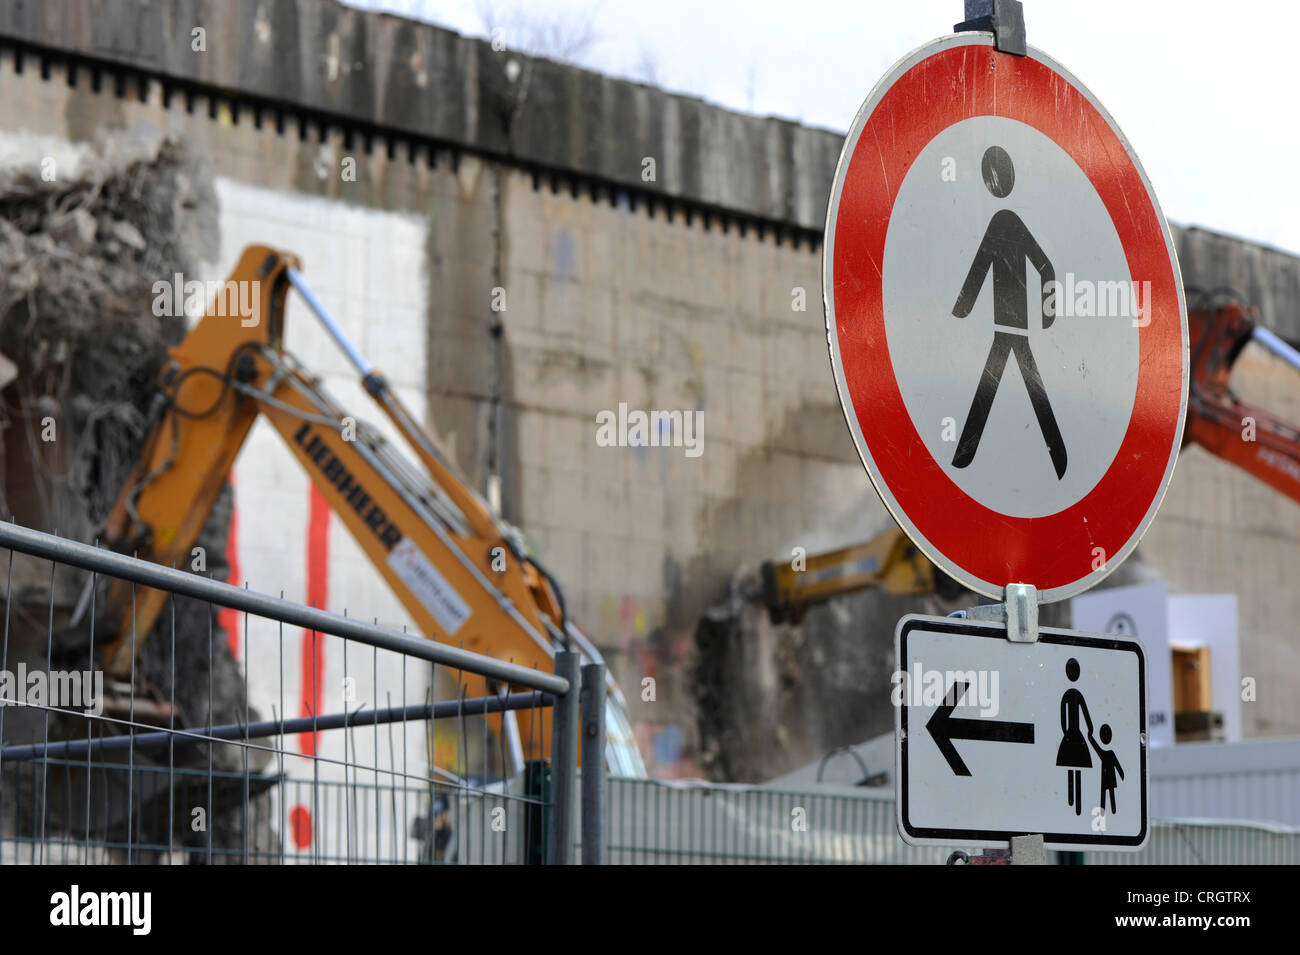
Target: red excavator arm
[(1217, 419)]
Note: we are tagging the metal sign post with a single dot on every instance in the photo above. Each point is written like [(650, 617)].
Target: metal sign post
[(1005, 19)]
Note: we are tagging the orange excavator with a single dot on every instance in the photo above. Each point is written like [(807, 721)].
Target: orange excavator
[(1220, 326), (464, 576)]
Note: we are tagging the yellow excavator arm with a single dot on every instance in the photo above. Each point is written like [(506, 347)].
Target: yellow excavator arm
[(889, 561), (463, 576)]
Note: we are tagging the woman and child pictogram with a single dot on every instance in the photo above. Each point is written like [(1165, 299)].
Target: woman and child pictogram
[(1073, 752)]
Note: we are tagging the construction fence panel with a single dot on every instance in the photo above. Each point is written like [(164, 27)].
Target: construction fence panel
[(370, 753)]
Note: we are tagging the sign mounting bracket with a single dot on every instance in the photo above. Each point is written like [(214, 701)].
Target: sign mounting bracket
[(1019, 613), (1005, 19)]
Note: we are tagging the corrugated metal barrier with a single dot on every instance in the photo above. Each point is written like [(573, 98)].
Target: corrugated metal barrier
[(700, 823)]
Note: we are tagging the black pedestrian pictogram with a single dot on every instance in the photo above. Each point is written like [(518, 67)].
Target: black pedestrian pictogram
[(1109, 767), (1007, 243), (1073, 752)]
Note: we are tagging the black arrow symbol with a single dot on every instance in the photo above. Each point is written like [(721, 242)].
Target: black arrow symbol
[(944, 729)]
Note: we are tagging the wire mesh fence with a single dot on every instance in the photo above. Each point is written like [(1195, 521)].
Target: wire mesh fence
[(252, 821), (190, 756)]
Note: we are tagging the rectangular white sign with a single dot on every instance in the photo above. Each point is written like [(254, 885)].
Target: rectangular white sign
[(996, 739)]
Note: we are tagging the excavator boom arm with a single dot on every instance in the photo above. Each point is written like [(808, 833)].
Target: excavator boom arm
[(1249, 437), (456, 569)]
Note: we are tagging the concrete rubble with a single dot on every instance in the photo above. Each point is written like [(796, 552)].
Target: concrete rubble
[(771, 698), (80, 252)]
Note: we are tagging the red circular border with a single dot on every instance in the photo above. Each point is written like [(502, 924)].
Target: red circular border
[(947, 87)]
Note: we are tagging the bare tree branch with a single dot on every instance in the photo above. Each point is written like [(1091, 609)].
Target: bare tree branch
[(567, 37)]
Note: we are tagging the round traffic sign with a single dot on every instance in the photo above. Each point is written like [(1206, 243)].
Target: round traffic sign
[(1005, 318)]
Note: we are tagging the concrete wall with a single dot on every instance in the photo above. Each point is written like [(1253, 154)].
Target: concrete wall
[(680, 294), (609, 306), (404, 79)]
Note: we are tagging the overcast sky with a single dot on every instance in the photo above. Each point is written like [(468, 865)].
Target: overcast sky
[(1205, 91)]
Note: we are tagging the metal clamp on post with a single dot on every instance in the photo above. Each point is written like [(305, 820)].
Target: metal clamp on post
[(1019, 613), (1005, 19), (1028, 850), (1022, 613)]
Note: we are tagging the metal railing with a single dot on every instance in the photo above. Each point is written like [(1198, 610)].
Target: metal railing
[(179, 763)]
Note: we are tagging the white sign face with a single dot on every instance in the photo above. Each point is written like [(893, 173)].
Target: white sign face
[(1142, 611), (997, 739), (1088, 364)]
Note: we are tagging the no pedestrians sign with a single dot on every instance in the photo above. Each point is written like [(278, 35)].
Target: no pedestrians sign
[(1005, 318)]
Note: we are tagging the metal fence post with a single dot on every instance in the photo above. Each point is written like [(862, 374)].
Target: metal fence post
[(537, 816), (564, 760), (593, 764)]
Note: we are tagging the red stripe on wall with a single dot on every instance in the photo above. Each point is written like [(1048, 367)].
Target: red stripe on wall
[(313, 644), (227, 618)]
